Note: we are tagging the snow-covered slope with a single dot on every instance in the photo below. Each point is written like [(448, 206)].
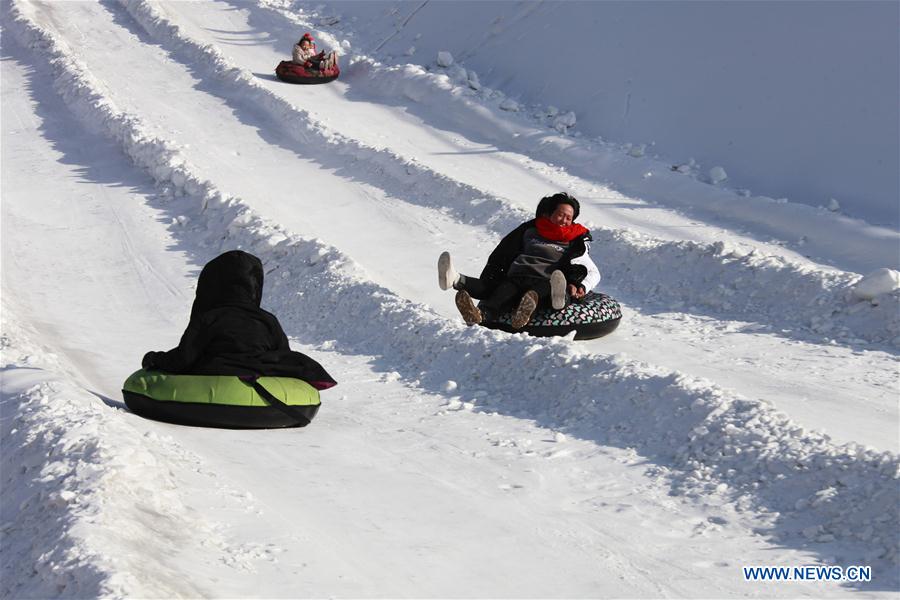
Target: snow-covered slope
[(695, 429), (793, 99)]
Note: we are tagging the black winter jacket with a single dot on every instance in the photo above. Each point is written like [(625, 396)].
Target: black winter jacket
[(511, 246), (229, 334)]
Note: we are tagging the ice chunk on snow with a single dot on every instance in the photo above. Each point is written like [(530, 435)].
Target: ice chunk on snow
[(834, 205), (510, 105), (457, 74), (444, 59), (637, 151), (410, 51), (563, 122), (880, 281), (811, 532), (717, 175), (473, 80), (450, 386)]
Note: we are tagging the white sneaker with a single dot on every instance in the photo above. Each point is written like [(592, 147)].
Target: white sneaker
[(447, 275), (558, 290)]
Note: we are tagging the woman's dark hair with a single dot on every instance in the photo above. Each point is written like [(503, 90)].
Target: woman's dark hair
[(548, 204)]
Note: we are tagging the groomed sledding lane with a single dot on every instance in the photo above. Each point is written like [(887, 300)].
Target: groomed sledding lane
[(852, 403), (384, 506), (397, 108), (391, 492)]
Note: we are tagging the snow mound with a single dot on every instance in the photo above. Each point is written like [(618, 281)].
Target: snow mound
[(717, 175), (444, 59), (877, 283), (564, 122), (509, 105), (78, 483)]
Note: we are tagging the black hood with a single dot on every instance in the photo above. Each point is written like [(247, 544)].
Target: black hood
[(229, 334), (233, 278)]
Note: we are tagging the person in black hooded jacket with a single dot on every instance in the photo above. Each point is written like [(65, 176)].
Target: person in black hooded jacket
[(544, 258), (228, 332)]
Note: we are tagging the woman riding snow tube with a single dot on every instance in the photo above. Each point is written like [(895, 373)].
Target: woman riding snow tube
[(538, 279), (233, 366), (307, 66)]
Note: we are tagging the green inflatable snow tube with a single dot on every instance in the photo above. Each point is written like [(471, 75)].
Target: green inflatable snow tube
[(221, 400)]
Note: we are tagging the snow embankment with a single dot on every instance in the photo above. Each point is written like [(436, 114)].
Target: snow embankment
[(792, 99), (544, 132), (535, 133), (708, 278), (706, 442), (90, 505)]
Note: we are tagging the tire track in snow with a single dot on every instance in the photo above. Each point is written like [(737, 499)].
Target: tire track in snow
[(707, 443)]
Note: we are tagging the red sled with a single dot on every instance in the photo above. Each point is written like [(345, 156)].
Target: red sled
[(291, 72)]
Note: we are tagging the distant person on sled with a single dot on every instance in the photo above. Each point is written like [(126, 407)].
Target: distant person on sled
[(543, 259), (305, 55)]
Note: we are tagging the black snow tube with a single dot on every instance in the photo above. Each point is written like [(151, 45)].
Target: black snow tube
[(593, 316), (223, 401), (291, 72)]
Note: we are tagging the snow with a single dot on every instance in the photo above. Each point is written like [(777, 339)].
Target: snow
[(564, 122), (877, 283), (509, 105), (444, 59), (793, 100), (717, 175), (744, 413)]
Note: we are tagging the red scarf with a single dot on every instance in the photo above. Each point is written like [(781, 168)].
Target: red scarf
[(549, 230)]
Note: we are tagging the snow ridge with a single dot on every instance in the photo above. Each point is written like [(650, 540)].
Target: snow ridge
[(682, 184), (707, 442), (79, 486), (706, 278), (388, 169)]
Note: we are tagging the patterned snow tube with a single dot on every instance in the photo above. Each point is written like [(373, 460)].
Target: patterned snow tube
[(220, 400), (290, 72), (594, 316)]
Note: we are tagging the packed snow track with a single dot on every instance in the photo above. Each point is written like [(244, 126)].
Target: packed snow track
[(745, 412)]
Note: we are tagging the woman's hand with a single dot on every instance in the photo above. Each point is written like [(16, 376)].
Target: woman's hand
[(576, 291)]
